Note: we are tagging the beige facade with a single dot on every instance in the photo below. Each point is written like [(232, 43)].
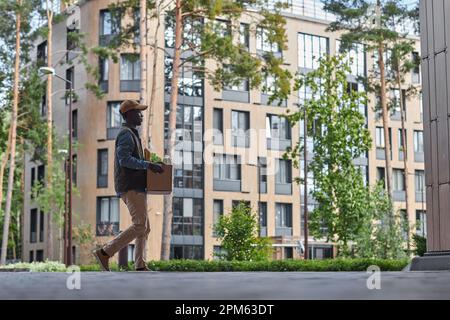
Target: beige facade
[(92, 135)]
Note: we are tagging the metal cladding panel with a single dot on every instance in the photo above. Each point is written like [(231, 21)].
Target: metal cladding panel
[(438, 25), (426, 122), (436, 221), (434, 154), (442, 122), (429, 23), (430, 235), (444, 216), (423, 27)]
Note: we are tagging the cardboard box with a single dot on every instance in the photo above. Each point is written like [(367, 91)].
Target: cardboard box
[(158, 183)]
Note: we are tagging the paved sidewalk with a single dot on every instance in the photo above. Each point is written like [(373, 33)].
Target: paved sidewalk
[(225, 285)]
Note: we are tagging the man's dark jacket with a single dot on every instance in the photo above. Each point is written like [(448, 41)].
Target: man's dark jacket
[(129, 163)]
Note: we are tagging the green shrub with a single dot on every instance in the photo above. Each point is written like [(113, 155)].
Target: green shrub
[(420, 244), (47, 266)]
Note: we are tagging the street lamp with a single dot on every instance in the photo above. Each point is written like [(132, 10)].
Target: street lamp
[(68, 167)]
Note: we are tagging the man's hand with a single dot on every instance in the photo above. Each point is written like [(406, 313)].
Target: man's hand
[(155, 167)]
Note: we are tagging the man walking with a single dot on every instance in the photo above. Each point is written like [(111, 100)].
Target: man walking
[(130, 182)]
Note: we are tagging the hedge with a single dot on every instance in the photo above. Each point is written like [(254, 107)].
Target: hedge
[(339, 264)]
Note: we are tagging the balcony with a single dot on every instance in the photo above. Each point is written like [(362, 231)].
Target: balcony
[(111, 133), (242, 141), (278, 144), (283, 231), (227, 185), (399, 195), (275, 103), (283, 188), (236, 95), (107, 229), (130, 85), (104, 86), (418, 157)]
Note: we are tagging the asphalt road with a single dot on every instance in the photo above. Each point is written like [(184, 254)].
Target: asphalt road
[(223, 285)]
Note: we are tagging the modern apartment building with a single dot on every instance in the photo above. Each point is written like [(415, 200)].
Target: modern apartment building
[(219, 165)]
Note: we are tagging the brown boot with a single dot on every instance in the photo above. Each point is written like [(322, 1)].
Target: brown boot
[(145, 268), (102, 259)]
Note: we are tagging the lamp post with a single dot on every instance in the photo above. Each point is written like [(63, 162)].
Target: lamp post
[(69, 167)]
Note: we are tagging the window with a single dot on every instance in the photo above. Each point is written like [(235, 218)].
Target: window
[(188, 169), (399, 179), (217, 213), (131, 250), (109, 26), (71, 43), (39, 255), (218, 126), (400, 142), (421, 223), (262, 166), (74, 169), (310, 49), (107, 216), (41, 174), (41, 54), (381, 175), (387, 66), (44, 105), (102, 168), (186, 252), (283, 215), (227, 167), (244, 35), (189, 82), (70, 75), (222, 28), (189, 123), (415, 72), (33, 180), (75, 124), (33, 225), (263, 219), (103, 74), (379, 137), (355, 57), (130, 72), (277, 127), (137, 25), (418, 141), (31, 256), (113, 119), (240, 125), (263, 43), (191, 34), (283, 171), (288, 252), (419, 178), (394, 104), (187, 216), (41, 226)]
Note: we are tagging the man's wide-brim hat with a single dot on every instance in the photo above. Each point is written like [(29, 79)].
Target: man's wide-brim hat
[(128, 105)]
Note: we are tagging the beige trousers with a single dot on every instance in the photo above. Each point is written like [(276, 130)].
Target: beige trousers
[(139, 230)]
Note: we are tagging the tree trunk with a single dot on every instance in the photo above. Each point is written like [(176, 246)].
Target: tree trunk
[(22, 189), (3, 163), (13, 140), (143, 58), (387, 144), (405, 150), (49, 127), (149, 119), (167, 219)]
